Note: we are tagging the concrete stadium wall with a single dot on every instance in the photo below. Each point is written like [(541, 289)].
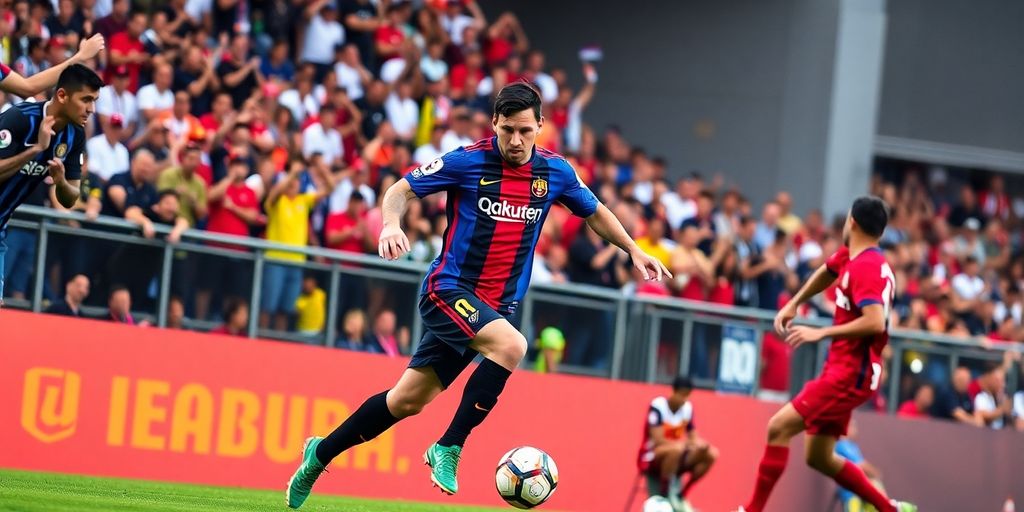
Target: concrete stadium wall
[(953, 73), (91, 397)]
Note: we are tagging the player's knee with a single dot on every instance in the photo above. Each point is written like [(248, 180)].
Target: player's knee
[(405, 406), (514, 350)]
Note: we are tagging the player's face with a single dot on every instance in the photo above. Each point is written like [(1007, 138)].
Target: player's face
[(78, 106), (517, 134)]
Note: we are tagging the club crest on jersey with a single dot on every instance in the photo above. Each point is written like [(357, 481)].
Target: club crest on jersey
[(5, 138), (539, 187), (467, 310), (62, 149)]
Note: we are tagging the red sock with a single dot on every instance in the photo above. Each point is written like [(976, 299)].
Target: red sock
[(772, 465), (853, 478)]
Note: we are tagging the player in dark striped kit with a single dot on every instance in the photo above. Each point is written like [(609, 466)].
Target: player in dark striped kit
[(46, 139), (499, 193)]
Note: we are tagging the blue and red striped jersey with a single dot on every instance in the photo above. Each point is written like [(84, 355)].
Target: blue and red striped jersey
[(495, 213)]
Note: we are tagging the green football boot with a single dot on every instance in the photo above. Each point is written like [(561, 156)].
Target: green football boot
[(444, 466), (903, 506), (309, 470)]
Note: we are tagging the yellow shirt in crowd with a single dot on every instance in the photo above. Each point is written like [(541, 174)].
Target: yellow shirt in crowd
[(312, 310), (288, 223)]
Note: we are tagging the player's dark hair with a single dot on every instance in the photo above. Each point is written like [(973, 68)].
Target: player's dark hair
[(167, 192), (517, 97), (871, 214), (76, 77), (681, 383), (117, 288)]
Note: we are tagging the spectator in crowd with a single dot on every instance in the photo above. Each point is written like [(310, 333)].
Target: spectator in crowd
[(184, 181), (765, 235), (550, 268), (116, 98), (311, 307), (34, 59), (969, 292), (323, 33), (402, 111), (127, 189), (426, 153), (288, 210), (991, 403), (550, 348), (119, 307), (458, 135), (351, 73), (157, 99), (346, 231), (126, 49), (966, 208), (918, 407), (324, 139), (277, 65), (353, 331), (955, 403), (386, 338), (240, 74), (175, 313), (788, 221), (114, 22), (75, 292), (67, 21), (107, 155), (236, 318), (164, 211)]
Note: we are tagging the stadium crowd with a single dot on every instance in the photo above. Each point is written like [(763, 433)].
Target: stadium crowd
[(287, 120)]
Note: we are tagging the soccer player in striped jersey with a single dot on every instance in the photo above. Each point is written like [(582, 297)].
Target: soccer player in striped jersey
[(500, 190), (45, 139)]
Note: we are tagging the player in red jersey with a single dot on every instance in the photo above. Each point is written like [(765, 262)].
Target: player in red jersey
[(853, 368)]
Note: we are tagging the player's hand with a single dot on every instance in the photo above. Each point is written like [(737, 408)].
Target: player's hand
[(803, 334), (91, 47), (56, 168), (46, 133), (784, 317), (393, 243), (649, 266)]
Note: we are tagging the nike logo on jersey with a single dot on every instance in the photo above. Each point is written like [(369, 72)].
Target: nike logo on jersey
[(477, 405), (486, 182)]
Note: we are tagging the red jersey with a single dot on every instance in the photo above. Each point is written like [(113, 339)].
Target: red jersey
[(863, 281), (340, 222), (123, 43), (224, 221)]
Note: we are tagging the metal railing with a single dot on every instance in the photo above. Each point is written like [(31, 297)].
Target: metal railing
[(626, 337)]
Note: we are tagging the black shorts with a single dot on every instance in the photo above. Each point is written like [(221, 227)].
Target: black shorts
[(451, 319)]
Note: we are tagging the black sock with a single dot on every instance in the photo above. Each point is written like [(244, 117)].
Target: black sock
[(369, 421), (478, 399)]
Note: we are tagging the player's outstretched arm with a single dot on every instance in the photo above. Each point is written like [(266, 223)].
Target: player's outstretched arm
[(821, 279), (605, 224), (393, 242), (39, 82)]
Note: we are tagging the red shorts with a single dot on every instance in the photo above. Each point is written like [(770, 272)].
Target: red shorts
[(826, 405)]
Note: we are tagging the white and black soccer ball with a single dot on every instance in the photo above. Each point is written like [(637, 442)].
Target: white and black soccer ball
[(658, 504), (526, 477)]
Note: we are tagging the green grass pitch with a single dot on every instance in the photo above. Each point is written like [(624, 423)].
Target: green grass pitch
[(22, 491)]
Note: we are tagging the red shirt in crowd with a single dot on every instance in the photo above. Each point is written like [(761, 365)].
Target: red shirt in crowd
[(909, 410), (339, 222), (123, 43), (460, 73), (775, 368), (227, 222), (389, 35)]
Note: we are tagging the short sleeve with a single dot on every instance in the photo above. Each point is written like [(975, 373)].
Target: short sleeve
[(838, 260), (441, 174), (653, 417), (76, 158), (866, 283), (577, 197)]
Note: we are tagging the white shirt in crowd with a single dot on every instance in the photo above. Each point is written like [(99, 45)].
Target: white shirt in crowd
[(1018, 404), (643, 191), (321, 38), (301, 107), (404, 115), (338, 202), (106, 160), (455, 25), (426, 153), (392, 69), (109, 103), (151, 97), (968, 287), (349, 79), (678, 209), (197, 8), (985, 402), (328, 143), (548, 87), (452, 141)]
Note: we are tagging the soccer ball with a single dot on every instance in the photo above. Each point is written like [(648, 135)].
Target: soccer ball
[(526, 477), (658, 504)]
